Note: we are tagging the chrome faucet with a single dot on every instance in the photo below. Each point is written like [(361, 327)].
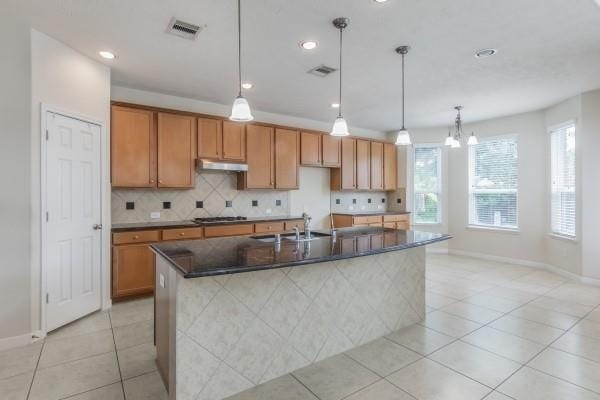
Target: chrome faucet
[(297, 232), (307, 220)]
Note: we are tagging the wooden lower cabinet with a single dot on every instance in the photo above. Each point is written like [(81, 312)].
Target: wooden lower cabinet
[(393, 221), (132, 270)]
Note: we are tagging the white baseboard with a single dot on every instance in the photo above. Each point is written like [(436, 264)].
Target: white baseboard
[(18, 341), (433, 250), (525, 263)]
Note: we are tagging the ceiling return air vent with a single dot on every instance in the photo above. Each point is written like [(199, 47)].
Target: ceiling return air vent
[(183, 29), (322, 71)]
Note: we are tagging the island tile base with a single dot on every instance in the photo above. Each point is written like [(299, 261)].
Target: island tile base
[(236, 331)]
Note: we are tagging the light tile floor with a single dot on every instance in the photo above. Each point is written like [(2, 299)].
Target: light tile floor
[(493, 331)]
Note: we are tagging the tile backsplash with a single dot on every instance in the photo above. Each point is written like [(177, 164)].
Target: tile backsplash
[(215, 194), (367, 201)]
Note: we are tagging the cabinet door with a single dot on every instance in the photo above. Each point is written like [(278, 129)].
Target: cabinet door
[(376, 166), (390, 167), (176, 150), (209, 138), (331, 149), (363, 164), (287, 159), (133, 147), (260, 154), (132, 270), (348, 169), (234, 141), (310, 151)]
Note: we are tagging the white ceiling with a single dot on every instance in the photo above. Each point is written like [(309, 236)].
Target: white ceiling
[(548, 50)]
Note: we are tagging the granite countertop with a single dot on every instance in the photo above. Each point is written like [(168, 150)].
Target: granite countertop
[(370, 213), (190, 224), (220, 256)]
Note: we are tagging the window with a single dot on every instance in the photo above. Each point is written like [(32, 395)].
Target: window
[(493, 182), (427, 184), (562, 175)]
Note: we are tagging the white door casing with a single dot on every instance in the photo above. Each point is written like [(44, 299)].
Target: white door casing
[(72, 242)]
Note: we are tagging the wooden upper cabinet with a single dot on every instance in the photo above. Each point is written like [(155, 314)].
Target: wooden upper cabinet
[(176, 150), (344, 178), (376, 166), (331, 151), (210, 134), (133, 147), (260, 158), (234, 141), (310, 151), (363, 164), (287, 159), (390, 167)]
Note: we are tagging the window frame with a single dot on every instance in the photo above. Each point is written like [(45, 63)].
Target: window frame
[(483, 227), (551, 232), (440, 192)]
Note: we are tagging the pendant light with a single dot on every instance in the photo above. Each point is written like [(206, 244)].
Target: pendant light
[(472, 140), (240, 112), (449, 138), (340, 127), (403, 138), (454, 141)]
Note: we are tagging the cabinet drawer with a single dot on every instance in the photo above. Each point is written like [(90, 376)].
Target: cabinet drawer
[(395, 218), (290, 225), (183, 233), (391, 225), (265, 227), (228, 230), (136, 237), (375, 219)]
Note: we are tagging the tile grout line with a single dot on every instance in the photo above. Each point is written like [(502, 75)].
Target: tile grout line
[(300, 382), (117, 356), (35, 370)]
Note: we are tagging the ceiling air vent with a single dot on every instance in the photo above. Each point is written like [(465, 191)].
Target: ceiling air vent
[(183, 29), (322, 71)]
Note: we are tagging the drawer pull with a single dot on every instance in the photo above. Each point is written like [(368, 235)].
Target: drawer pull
[(136, 237), (182, 234)]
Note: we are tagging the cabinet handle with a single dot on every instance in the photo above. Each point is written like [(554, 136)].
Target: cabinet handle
[(269, 227), (160, 181), (182, 234), (151, 180), (136, 237)]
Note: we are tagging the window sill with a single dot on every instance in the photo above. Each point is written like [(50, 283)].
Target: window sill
[(482, 228), (433, 225), (570, 239)]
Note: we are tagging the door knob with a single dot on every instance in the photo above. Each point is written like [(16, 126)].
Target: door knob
[(97, 227)]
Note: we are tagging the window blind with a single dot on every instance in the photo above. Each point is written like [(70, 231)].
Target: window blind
[(563, 200), (493, 183), (427, 184)]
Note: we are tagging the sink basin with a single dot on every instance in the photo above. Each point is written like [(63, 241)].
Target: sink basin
[(291, 237)]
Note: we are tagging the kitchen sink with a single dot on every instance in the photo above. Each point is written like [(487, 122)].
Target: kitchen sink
[(291, 237)]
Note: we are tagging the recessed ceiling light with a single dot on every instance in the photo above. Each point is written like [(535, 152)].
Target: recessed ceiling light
[(247, 85), (335, 105), (380, 1), (107, 55), (309, 45), (483, 53)]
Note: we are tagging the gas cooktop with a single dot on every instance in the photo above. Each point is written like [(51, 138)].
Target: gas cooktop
[(209, 220)]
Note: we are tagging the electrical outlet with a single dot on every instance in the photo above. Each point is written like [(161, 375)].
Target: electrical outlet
[(155, 215), (268, 211), (162, 280), (379, 207), (350, 208), (362, 207)]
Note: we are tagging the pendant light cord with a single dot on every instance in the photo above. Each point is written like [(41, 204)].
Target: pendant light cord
[(403, 128), (340, 99), (240, 48)]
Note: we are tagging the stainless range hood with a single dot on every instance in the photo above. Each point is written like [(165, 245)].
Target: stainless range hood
[(221, 165)]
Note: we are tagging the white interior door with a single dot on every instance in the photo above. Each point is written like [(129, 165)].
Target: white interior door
[(72, 239)]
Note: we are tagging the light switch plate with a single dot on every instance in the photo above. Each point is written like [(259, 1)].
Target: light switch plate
[(379, 207), (155, 215), (161, 280)]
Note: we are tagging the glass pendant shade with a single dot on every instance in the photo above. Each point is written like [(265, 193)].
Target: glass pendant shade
[(455, 143), (403, 138), (240, 112), (449, 140), (472, 140), (340, 128)]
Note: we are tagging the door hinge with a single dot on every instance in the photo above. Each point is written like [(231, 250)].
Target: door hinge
[(47, 298), (47, 216), (47, 135)]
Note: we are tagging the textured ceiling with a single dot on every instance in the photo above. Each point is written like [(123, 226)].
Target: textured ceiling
[(548, 50)]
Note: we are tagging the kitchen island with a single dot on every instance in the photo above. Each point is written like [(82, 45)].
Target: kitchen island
[(232, 313)]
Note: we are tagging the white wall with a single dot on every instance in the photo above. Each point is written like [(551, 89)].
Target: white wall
[(63, 78), (589, 140), (313, 196), (15, 214)]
